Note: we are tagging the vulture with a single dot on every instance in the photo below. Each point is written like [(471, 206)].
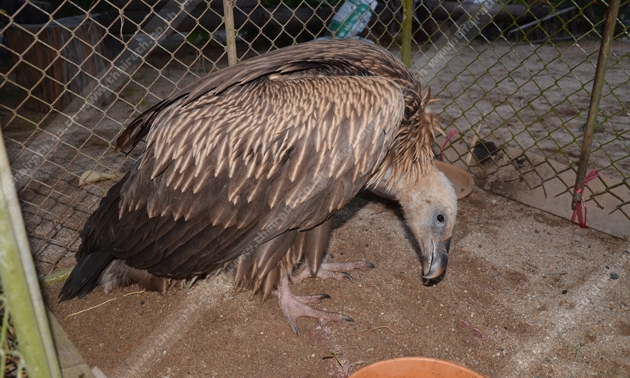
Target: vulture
[(243, 170)]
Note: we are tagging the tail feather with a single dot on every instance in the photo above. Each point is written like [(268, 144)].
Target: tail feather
[(86, 275), (92, 257)]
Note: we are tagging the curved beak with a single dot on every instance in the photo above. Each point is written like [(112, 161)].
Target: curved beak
[(434, 261)]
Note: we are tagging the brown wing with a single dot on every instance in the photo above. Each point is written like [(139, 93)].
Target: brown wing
[(326, 58), (223, 174)]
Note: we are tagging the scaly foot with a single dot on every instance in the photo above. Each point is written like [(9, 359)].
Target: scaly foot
[(294, 306), (338, 271)]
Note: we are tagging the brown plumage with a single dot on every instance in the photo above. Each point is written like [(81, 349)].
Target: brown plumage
[(243, 170)]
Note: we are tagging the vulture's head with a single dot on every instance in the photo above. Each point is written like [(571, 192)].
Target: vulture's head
[(430, 209), (430, 206)]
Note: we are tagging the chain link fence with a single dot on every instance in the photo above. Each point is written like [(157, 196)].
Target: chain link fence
[(518, 91), (513, 80)]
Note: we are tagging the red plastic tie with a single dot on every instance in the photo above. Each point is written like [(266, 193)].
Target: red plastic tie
[(592, 175), (448, 139), (579, 213)]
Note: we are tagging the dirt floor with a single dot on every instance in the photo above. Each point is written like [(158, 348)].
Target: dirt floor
[(527, 294)]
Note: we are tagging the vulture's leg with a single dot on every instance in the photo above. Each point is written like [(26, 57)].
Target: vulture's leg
[(327, 269), (183, 284), (310, 246), (294, 306)]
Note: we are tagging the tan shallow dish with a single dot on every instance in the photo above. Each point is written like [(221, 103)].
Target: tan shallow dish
[(415, 367), (462, 181)]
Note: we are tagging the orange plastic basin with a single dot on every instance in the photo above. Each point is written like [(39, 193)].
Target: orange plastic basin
[(415, 367)]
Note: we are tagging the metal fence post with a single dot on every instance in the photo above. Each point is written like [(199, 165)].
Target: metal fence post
[(230, 31), (596, 95), (406, 32), (20, 283)]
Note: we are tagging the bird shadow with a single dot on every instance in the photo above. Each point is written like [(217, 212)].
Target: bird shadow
[(355, 205), (361, 200)]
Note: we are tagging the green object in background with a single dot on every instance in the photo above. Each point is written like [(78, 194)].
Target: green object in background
[(58, 276), (198, 37), (351, 18)]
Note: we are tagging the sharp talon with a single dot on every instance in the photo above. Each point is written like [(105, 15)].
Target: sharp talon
[(336, 270), (191, 282), (293, 306)]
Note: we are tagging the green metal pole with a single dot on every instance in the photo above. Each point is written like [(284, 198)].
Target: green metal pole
[(20, 283), (406, 32), (596, 95)]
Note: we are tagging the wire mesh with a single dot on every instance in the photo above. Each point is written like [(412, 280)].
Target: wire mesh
[(517, 91), (513, 79)]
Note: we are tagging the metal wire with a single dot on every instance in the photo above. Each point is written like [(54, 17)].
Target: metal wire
[(523, 100), (498, 82), (513, 78)]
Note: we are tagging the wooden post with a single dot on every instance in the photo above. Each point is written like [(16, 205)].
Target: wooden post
[(59, 57), (230, 31), (406, 32), (596, 95)]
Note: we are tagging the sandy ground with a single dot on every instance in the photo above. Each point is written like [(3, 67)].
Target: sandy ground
[(526, 294)]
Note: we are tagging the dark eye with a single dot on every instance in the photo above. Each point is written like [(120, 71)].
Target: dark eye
[(440, 218)]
